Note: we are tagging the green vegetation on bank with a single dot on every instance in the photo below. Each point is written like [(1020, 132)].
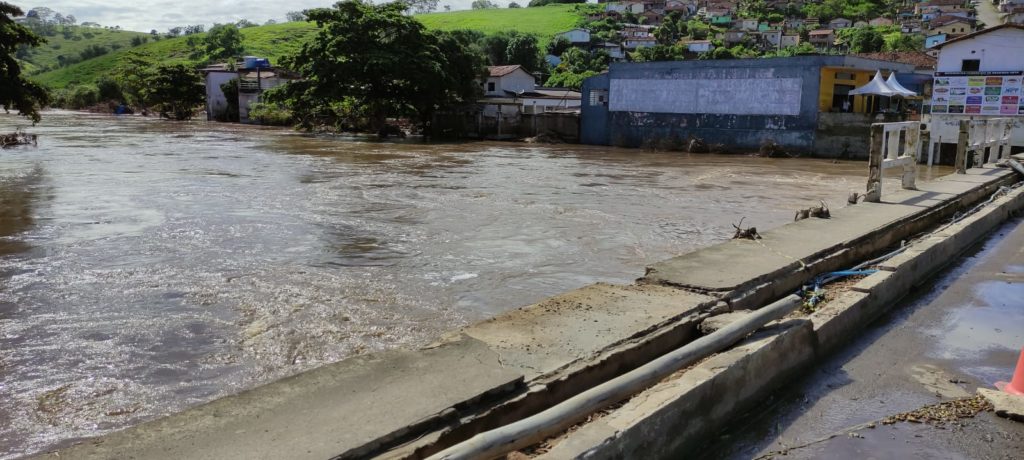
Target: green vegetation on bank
[(70, 44), (278, 40), (273, 41), (542, 22)]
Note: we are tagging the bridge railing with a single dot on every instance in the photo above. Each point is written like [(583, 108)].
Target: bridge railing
[(893, 145), (987, 140)]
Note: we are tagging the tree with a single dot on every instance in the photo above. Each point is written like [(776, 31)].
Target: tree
[(174, 31), (295, 16), (483, 4), (174, 89), (558, 46), (369, 62), (866, 40), (223, 41), (523, 50), (658, 53), (421, 6), (514, 5), (244, 24), (16, 92), (577, 65)]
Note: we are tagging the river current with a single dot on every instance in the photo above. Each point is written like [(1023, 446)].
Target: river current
[(147, 266)]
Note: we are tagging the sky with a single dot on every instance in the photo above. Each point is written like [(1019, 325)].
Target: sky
[(145, 15)]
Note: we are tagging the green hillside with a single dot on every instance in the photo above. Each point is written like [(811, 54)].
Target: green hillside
[(273, 41), (71, 41), (543, 21), (277, 40)]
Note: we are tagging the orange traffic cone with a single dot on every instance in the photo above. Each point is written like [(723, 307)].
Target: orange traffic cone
[(1016, 386)]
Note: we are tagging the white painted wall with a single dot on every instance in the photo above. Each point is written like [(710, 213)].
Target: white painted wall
[(215, 100), (1000, 50), (576, 36), (516, 81), (561, 103), (739, 96)]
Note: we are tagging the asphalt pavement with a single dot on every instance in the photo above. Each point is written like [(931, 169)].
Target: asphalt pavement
[(962, 331)]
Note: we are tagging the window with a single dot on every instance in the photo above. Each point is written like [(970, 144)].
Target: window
[(970, 65), (490, 86), (598, 97)]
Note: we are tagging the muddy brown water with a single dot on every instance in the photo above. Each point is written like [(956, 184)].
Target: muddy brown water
[(147, 266)]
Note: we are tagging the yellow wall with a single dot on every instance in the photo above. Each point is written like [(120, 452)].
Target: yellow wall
[(828, 82), (952, 28)]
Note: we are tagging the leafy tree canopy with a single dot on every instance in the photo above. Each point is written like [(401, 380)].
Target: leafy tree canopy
[(372, 62), (223, 41), (658, 53), (16, 92)]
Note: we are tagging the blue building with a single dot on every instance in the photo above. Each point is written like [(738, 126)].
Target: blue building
[(798, 102)]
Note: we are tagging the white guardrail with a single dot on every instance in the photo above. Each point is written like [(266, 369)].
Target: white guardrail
[(893, 145), (988, 140)]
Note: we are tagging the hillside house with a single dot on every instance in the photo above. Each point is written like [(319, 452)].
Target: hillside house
[(1007, 6), (254, 76), (504, 79), (880, 21), (633, 43), (652, 17), (839, 23), (699, 46), (747, 24), (821, 37), (1015, 15), (733, 37), (787, 41), (614, 50), (772, 39), (932, 40), (950, 25), (946, 6), (575, 36)]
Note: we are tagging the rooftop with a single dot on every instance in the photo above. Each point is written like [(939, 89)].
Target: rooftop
[(980, 32), (502, 70)]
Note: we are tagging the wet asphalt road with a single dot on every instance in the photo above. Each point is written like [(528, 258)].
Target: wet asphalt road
[(960, 332)]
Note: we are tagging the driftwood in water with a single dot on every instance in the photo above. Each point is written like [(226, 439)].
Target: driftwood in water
[(820, 212), (745, 233), (18, 137)]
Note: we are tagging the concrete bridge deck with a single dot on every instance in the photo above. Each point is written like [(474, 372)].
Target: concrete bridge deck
[(521, 361)]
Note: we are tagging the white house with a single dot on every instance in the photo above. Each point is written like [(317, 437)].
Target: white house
[(633, 7), (699, 46), (773, 38), (254, 76), (786, 41), (614, 50), (503, 79), (549, 99), (748, 24), (575, 36), (633, 43)]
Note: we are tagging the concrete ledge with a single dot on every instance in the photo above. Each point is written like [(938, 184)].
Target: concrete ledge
[(673, 417)]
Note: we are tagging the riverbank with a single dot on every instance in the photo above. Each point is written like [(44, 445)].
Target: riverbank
[(527, 359)]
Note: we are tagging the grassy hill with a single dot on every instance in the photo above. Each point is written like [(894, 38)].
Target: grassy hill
[(273, 41), (277, 40), (543, 21), (71, 41)]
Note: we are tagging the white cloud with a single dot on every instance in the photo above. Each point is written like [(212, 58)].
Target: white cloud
[(144, 15)]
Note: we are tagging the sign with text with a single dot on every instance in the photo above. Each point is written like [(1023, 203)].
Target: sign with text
[(978, 93)]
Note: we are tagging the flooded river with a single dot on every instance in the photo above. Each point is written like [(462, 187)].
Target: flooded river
[(147, 266)]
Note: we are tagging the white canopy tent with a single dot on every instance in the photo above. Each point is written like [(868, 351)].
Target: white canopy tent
[(876, 87), (896, 86)]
